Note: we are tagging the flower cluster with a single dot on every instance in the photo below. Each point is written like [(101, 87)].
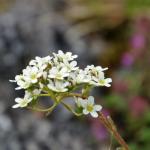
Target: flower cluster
[(59, 75)]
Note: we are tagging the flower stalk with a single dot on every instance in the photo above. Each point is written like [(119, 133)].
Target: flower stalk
[(58, 77), (106, 121), (113, 131), (109, 124)]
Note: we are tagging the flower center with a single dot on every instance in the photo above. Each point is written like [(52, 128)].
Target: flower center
[(59, 76), (90, 108), (23, 103), (102, 82), (33, 76)]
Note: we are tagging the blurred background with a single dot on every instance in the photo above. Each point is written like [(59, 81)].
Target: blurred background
[(110, 33)]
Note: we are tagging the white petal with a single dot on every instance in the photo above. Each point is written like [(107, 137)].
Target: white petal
[(97, 107), (103, 69), (29, 100), (63, 70), (108, 80), (12, 80), (53, 70), (60, 52), (23, 105), (38, 58), (75, 56), (34, 80), (16, 106), (73, 63), (99, 68), (32, 62), (83, 102), (36, 92), (108, 85), (18, 99), (85, 111), (94, 114), (18, 77), (91, 100), (34, 69), (18, 88), (66, 84), (50, 86), (101, 75)]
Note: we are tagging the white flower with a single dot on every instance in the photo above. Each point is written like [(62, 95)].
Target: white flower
[(90, 107), (41, 63), (44, 74), (97, 76), (58, 86), (80, 102), (36, 91), (58, 73), (71, 66), (101, 81), (94, 69), (41, 85), (31, 74), (64, 56), (12, 81), (81, 77), (22, 82), (105, 82), (95, 72), (23, 102)]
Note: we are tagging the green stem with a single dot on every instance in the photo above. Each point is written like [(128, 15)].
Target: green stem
[(43, 95), (70, 109), (113, 130), (73, 95), (108, 123), (111, 138), (51, 109), (43, 110)]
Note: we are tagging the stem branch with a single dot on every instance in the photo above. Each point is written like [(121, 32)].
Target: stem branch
[(107, 122), (113, 131), (43, 110)]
